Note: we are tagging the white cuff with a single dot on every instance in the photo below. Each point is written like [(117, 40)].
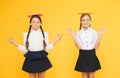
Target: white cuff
[(49, 47), (22, 48)]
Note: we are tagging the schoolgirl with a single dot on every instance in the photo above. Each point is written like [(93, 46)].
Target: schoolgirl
[(87, 40), (36, 47)]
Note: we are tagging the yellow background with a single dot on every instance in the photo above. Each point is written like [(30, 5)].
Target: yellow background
[(58, 15)]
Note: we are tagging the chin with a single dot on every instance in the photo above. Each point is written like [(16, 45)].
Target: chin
[(86, 26), (35, 28)]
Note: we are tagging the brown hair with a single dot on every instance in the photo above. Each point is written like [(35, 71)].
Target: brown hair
[(27, 43)]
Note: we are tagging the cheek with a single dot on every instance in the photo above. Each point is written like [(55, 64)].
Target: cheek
[(35, 24), (32, 24), (89, 22), (82, 22), (40, 24)]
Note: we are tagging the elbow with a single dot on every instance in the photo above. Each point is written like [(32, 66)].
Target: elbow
[(96, 46), (22, 48), (49, 47), (78, 46)]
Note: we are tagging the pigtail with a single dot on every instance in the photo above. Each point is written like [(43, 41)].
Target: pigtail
[(27, 43), (44, 43)]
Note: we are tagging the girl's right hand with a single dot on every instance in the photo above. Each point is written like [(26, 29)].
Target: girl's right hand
[(70, 31), (11, 40)]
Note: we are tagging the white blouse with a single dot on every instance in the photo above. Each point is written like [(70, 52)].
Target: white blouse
[(87, 38), (36, 41)]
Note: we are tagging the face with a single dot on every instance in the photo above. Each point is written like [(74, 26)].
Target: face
[(85, 21), (35, 23)]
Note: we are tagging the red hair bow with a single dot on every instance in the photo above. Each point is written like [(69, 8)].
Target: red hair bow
[(30, 15)]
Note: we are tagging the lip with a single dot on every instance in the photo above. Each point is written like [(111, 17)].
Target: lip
[(35, 26), (86, 24)]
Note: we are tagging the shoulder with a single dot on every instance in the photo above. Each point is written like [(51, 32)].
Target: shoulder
[(78, 33), (24, 34), (93, 30), (46, 33)]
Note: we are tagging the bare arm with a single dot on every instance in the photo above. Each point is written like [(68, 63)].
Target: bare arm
[(101, 32), (58, 37), (50, 46), (12, 41), (74, 38), (20, 47)]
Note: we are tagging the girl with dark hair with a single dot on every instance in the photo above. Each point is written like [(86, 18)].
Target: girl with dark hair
[(87, 40), (36, 47)]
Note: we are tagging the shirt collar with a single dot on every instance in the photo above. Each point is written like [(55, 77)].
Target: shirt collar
[(86, 29)]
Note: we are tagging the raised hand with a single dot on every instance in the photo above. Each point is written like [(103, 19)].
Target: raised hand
[(102, 31), (70, 31), (11, 40), (58, 37)]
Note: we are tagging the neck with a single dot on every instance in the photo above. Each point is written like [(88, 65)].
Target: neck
[(35, 29), (85, 28)]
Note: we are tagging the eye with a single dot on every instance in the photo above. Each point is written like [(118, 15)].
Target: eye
[(83, 20), (88, 19), (33, 21), (38, 22)]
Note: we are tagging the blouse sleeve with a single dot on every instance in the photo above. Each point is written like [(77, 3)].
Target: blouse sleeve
[(49, 46), (23, 47)]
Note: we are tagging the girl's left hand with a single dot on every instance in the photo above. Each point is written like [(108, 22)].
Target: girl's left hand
[(102, 31), (58, 37)]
